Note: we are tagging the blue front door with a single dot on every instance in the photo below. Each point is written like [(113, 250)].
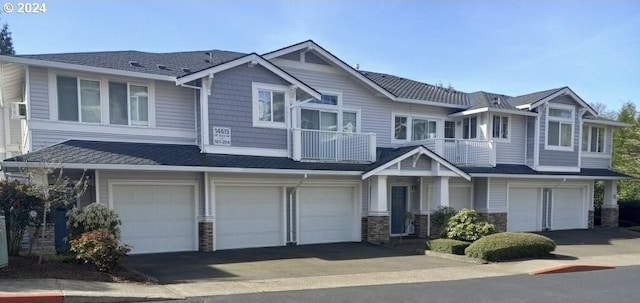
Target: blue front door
[(398, 209)]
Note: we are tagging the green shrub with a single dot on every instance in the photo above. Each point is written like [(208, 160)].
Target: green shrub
[(634, 228), (60, 258), (100, 248), (18, 201), (467, 226), (448, 246), (509, 246), (92, 217), (440, 218)]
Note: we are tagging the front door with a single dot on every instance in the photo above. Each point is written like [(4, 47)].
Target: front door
[(398, 209)]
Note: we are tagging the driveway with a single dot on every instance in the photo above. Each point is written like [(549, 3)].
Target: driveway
[(281, 262), (576, 244)]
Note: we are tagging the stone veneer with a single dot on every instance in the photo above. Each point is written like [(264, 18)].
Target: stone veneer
[(421, 224), (378, 229), (40, 247), (363, 228), (591, 218), (205, 236), (609, 216), (497, 219)]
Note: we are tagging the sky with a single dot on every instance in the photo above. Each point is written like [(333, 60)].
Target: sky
[(508, 47)]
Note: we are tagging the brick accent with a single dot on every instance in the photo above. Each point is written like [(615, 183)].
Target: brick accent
[(40, 247), (591, 218), (609, 217), (421, 224), (378, 229), (497, 219), (363, 229), (205, 236)]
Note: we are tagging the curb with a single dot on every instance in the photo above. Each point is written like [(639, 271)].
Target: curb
[(567, 268), (44, 297)]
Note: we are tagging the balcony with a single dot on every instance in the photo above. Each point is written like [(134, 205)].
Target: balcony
[(462, 152), (330, 146)]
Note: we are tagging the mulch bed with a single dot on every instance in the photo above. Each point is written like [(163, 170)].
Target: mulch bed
[(24, 267)]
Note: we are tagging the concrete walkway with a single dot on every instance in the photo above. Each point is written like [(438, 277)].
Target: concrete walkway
[(605, 248)]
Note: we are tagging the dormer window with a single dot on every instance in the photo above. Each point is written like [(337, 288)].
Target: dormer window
[(560, 120)]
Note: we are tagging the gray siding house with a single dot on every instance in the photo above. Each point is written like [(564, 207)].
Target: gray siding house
[(212, 150)]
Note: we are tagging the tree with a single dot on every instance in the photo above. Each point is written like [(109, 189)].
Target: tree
[(603, 112), (626, 148), (6, 42)]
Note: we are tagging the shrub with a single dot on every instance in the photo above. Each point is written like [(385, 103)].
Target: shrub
[(17, 201), (509, 246), (92, 217), (448, 246), (467, 226), (100, 248), (440, 218), (634, 228), (60, 258)]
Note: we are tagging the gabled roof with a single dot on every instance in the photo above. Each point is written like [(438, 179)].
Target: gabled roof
[(533, 97), (410, 89)]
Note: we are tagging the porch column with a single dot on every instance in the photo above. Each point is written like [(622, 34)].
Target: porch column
[(440, 198), (609, 216), (378, 217)]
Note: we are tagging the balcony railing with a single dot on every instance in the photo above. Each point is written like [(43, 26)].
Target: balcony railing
[(463, 152), (318, 145)]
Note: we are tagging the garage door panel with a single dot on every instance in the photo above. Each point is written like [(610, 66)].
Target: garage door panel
[(569, 211), (523, 209), (248, 216), (156, 218), (326, 215)]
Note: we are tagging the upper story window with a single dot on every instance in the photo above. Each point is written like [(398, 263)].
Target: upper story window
[(560, 127), (400, 127), (470, 128), (449, 129), (328, 120), (420, 128), (326, 99), (128, 104), (593, 139), (500, 127), (423, 129), (269, 105), (78, 100)]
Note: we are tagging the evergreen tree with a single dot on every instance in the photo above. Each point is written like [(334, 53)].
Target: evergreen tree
[(6, 43), (626, 152)]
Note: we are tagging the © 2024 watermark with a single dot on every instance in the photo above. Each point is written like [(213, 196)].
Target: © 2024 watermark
[(24, 8)]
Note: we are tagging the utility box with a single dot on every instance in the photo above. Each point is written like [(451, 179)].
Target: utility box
[(4, 255)]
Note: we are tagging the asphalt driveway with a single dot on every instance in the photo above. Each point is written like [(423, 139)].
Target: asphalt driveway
[(281, 262)]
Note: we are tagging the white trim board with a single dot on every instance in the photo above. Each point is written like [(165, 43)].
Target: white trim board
[(246, 151), (522, 176)]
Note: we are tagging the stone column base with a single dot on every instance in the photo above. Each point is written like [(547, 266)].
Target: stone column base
[(609, 216), (378, 229), (421, 224), (591, 218), (205, 236), (499, 220), (364, 229)]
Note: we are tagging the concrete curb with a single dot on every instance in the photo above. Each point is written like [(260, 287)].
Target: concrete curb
[(569, 268), (44, 297)]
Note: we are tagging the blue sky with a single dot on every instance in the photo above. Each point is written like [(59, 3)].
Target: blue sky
[(510, 47)]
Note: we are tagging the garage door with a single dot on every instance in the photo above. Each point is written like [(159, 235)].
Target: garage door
[(569, 209), (248, 216), (326, 215), (156, 218), (523, 209)]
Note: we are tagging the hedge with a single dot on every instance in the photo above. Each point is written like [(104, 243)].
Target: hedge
[(509, 246), (448, 246)]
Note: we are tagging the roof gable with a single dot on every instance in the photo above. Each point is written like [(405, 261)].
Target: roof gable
[(390, 158)]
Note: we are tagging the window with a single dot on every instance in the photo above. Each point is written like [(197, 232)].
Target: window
[(449, 129), (469, 128), (560, 128), (319, 120), (327, 100), (400, 128), (423, 129), (349, 122), (500, 127), (593, 139), (269, 105), (78, 99), (128, 104)]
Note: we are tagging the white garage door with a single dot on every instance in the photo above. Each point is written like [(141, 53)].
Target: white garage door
[(248, 216), (156, 218), (523, 209), (327, 215), (460, 197), (569, 209)]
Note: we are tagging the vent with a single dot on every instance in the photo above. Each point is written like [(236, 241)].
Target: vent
[(209, 57), (496, 101), (161, 66), (134, 63), (186, 70)]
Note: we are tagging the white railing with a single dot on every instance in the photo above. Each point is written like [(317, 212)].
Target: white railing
[(463, 152), (318, 145)]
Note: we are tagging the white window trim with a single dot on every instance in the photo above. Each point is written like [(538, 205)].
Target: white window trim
[(255, 86), (410, 117), (104, 97), (571, 120), (339, 109), (477, 126), (588, 152), (509, 122)]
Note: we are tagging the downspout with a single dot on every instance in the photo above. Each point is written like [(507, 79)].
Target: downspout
[(293, 192)]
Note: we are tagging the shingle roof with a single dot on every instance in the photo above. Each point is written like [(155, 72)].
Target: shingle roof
[(532, 97), (514, 169), (148, 62), (410, 89), (483, 99)]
